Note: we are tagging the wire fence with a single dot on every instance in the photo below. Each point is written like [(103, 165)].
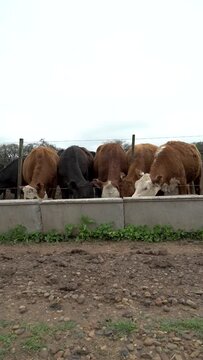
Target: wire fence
[(92, 144)]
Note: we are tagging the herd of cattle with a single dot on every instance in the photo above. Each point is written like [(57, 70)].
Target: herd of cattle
[(172, 168)]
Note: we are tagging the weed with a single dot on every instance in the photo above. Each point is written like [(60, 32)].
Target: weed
[(4, 324), (39, 329), (85, 231), (53, 236), (18, 234), (69, 231), (33, 343), (39, 333), (64, 326), (182, 325), (36, 237), (6, 341), (121, 328)]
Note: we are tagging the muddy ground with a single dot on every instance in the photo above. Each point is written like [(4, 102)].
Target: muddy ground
[(101, 301)]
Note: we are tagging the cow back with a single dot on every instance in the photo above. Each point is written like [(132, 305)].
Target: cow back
[(40, 165), (190, 158), (75, 171)]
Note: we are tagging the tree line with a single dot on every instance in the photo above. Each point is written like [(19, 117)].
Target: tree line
[(10, 152)]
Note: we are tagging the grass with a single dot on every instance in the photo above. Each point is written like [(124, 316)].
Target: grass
[(33, 343), (40, 331), (65, 326), (6, 341), (121, 328), (85, 232), (182, 325), (37, 335), (4, 323)]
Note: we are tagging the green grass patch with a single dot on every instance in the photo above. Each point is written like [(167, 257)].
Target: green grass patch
[(33, 343), (40, 332), (6, 341), (183, 325), (87, 230), (36, 340), (65, 326), (4, 323), (121, 328)]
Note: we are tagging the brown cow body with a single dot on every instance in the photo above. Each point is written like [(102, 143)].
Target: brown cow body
[(40, 173), (140, 163), (110, 163), (176, 164)]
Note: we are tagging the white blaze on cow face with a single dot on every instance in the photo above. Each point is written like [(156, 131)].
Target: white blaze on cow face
[(145, 187), (110, 191), (31, 193)]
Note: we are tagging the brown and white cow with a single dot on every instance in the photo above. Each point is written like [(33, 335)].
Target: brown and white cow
[(40, 173), (140, 162), (176, 165), (110, 164)]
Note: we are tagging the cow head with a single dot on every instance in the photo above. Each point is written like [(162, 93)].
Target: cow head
[(33, 193), (127, 188), (145, 187), (78, 191), (109, 188), (127, 185)]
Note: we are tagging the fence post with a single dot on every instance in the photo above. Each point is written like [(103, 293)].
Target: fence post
[(20, 161), (133, 146)]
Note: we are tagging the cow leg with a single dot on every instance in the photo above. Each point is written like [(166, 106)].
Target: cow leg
[(197, 185), (4, 194), (183, 188), (191, 188)]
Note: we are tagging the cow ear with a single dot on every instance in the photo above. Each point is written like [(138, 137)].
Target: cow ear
[(97, 183), (122, 175)]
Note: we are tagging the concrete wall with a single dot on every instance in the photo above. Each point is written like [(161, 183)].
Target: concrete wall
[(57, 213), (24, 212), (181, 212)]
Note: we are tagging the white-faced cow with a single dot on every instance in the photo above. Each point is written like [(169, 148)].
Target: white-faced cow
[(140, 162), (75, 172), (176, 165), (40, 173), (110, 164)]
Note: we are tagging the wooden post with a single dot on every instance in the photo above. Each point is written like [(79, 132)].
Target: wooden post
[(133, 146), (20, 161)]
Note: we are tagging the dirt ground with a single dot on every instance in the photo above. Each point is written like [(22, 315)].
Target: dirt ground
[(101, 301)]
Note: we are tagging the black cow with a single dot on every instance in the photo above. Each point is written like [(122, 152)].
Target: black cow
[(9, 178), (75, 172)]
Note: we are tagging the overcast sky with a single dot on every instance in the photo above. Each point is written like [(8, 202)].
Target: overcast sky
[(98, 70)]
